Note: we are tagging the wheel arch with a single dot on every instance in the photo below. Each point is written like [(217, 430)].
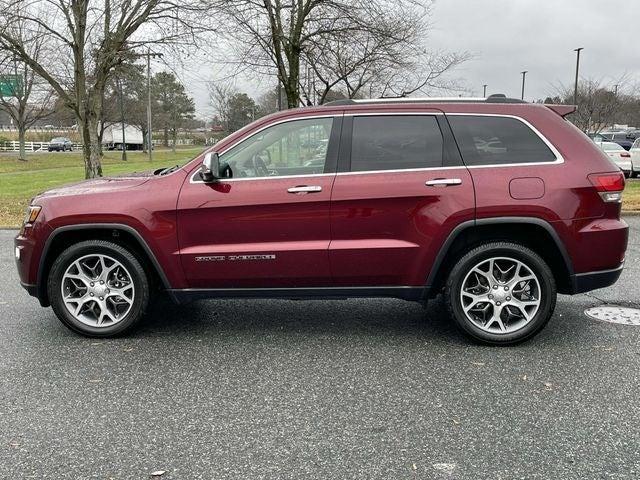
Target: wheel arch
[(535, 233), (120, 234)]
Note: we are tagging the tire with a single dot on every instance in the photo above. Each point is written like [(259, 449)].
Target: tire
[(501, 309), (103, 283)]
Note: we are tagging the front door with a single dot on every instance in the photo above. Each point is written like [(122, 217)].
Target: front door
[(400, 190), (268, 225)]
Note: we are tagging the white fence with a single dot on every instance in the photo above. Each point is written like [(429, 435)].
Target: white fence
[(14, 146), (180, 141)]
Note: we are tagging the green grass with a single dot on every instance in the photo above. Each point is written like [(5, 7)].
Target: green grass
[(631, 195), (20, 181)]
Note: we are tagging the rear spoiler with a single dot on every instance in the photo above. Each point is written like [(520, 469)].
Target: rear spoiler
[(562, 110)]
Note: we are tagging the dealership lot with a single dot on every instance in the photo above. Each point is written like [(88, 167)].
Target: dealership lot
[(323, 389)]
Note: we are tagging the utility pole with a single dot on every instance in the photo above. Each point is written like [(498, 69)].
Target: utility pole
[(524, 74), (124, 140), (149, 54), (484, 90), (575, 88), (615, 89)]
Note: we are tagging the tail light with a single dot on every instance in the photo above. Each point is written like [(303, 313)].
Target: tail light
[(608, 185), (625, 155)]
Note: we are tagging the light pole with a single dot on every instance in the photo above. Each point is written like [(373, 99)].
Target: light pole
[(484, 90), (121, 101), (575, 88), (524, 74), (149, 54)]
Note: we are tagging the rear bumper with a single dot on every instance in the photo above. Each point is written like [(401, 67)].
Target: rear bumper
[(585, 282)]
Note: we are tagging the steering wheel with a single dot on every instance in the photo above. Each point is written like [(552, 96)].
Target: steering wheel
[(259, 167)]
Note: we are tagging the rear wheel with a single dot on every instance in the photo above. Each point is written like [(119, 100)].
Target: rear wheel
[(501, 293), (98, 288)]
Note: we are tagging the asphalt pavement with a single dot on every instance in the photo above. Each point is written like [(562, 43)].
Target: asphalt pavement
[(352, 389)]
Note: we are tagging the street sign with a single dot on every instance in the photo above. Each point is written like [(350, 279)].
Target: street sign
[(10, 85)]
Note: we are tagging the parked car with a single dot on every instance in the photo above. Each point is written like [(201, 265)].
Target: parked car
[(60, 144), (624, 139), (495, 203), (619, 155), (635, 159)]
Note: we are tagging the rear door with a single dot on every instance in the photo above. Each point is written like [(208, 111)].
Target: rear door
[(400, 190), (268, 225)]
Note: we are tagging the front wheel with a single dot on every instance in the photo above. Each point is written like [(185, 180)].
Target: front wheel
[(501, 293), (98, 288)]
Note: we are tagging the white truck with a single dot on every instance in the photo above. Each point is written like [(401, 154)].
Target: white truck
[(112, 137)]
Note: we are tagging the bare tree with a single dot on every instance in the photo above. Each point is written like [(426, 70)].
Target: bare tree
[(597, 105), (264, 36), (388, 61), (28, 99), (87, 40)]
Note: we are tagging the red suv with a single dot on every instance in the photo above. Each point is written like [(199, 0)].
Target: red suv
[(496, 203)]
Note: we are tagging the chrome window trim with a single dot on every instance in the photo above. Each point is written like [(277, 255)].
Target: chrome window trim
[(559, 158)]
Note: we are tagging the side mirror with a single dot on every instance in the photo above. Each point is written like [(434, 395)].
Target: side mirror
[(210, 169)]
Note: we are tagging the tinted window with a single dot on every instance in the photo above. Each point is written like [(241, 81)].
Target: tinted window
[(291, 148), (498, 140), (390, 142)]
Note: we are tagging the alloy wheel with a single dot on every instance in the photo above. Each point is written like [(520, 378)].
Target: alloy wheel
[(500, 295), (97, 290)]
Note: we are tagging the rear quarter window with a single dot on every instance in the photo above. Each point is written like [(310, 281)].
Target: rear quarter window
[(488, 140)]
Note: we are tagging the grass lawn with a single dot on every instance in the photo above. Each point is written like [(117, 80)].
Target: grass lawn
[(20, 181), (631, 195)]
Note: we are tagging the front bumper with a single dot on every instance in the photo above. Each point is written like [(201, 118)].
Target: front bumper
[(585, 282)]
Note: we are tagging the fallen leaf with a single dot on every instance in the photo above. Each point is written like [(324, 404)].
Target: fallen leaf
[(414, 467), (456, 422), (445, 467), (14, 444), (524, 377), (95, 380), (548, 385), (158, 473), (128, 349), (480, 364)]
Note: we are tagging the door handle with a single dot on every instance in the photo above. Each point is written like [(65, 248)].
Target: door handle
[(443, 182), (305, 189)]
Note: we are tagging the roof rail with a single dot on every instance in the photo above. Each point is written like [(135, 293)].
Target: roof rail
[(495, 98)]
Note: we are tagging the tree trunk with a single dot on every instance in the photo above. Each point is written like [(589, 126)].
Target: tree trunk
[(90, 148), (21, 135), (166, 137), (175, 139)]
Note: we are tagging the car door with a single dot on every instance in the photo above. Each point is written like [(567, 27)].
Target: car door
[(268, 225), (400, 190)]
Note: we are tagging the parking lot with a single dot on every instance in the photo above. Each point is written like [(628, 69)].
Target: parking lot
[(324, 389)]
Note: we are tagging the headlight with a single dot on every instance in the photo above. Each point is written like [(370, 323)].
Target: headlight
[(32, 213)]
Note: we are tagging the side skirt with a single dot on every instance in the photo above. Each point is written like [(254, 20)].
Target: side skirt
[(319, 293)]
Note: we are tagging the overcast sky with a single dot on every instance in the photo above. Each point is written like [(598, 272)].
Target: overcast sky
[(509, 36)]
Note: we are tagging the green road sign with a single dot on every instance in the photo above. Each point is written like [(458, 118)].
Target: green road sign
[(10, 85)]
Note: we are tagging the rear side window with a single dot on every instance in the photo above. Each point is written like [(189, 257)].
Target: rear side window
[(395, 142), (487, 140)]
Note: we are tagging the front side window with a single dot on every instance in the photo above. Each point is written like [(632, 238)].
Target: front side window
[(298, 147), (487, 140), (395, 142)]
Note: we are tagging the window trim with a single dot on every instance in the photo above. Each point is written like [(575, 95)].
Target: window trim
[(334, 141), (559, 158)]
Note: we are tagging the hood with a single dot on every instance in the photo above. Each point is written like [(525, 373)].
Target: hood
[(99, 185)]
